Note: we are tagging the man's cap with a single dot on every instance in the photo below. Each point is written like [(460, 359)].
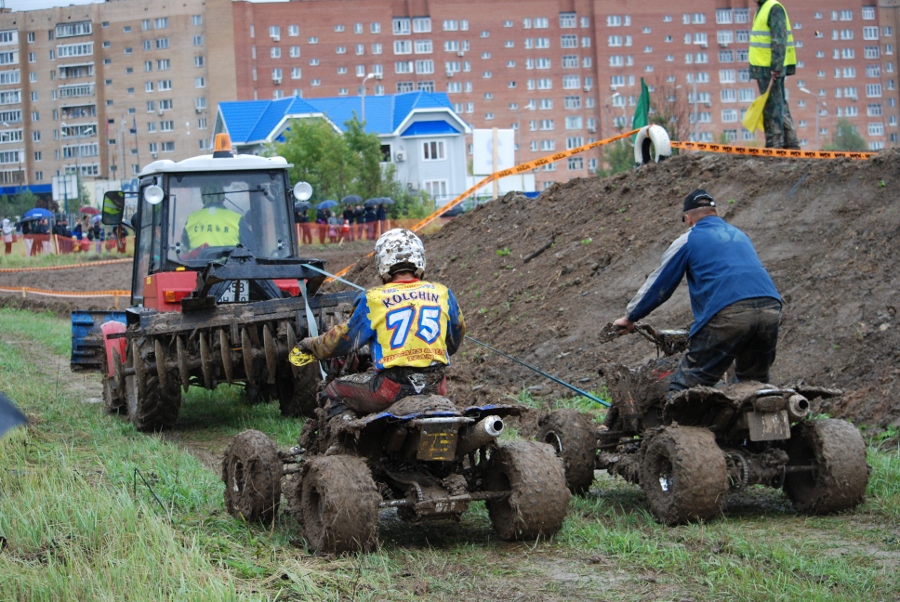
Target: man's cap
[(698, 198)]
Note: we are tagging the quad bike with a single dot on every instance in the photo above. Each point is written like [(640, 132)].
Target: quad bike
[(422, 456), (687, 450)]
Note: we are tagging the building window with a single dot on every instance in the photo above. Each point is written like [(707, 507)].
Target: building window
[(401, 26)]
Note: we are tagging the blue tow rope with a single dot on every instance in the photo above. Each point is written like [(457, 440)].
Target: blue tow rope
[(585, 394)]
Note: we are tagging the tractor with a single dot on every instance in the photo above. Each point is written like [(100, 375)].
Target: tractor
[(228, 310)]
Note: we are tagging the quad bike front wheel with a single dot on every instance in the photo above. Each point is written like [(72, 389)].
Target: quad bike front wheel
[(152, 405), (837, 451), (683, 475), (252, 471), (338, 504), (570, 433), (535, 480)]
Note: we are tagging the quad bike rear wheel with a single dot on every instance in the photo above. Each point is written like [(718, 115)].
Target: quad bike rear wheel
[(338, 504), (837, 450), (683, 475), (538, 497), (152, 405), (570, 433), (252, 471)]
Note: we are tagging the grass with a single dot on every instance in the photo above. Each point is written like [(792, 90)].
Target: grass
[(78, 521)]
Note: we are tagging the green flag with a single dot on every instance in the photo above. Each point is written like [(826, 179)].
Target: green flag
[(642, 110)]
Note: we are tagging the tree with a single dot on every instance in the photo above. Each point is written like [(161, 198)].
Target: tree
[(846, 138), (619, 158), (17, 204), (669, 108), (337, 165)]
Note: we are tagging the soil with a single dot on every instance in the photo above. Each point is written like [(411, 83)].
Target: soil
[(827, 231)]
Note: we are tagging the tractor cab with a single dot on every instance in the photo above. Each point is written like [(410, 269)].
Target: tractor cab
[(213, 210)]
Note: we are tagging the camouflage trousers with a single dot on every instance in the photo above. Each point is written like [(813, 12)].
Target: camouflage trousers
[(777, 120)]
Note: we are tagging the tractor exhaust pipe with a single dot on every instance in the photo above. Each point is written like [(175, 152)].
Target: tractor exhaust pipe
[(482, 433), (797, 407)]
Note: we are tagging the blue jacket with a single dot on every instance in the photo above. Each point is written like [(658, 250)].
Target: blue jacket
[(721, 266)]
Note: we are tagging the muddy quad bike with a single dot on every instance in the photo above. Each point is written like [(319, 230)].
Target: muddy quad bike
[(221, 312), (422, 456), (687, 450)]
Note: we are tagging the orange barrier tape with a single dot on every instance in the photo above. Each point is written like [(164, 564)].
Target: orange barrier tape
[(522, 167), (49, 293), (771, 152), (64, 267)]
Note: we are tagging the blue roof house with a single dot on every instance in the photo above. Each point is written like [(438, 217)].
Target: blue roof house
[(420, 133)]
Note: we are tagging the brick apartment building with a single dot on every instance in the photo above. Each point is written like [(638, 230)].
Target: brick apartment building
[(562, 73)]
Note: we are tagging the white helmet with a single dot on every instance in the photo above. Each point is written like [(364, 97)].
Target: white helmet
[(399, 249)]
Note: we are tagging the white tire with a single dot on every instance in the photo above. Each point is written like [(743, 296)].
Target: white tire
[(652, 144)]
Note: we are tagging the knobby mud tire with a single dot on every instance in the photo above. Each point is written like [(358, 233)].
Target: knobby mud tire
[(338, 504), (252, 471), (571, 434), (683, 475), (152, 406), (838, 451), (538, 497)]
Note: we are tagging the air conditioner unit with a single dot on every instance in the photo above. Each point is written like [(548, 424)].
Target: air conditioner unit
[(276, 38), (277, 80), (154, 155), (587, 88), (198, 110), (460, 53), (413, 186), (400, 156), (592, 130), (159, 112)]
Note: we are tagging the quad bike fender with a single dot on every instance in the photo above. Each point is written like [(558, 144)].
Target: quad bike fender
[(111, 342)]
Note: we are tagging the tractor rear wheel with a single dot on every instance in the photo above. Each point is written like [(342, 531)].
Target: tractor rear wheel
[(683, 475), (252, 470), (570, 433), (537, 498), (152, 406), (837, 450)]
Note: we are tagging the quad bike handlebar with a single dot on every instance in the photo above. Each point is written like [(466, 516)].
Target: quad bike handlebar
[(668, 342)]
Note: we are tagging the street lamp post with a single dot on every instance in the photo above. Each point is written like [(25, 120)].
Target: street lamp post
[(802, 89), (362, 103)]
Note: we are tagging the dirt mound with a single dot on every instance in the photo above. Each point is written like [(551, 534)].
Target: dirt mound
[(828, 231)]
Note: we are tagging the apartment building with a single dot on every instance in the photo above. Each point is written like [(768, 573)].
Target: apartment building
[(562, 73), (568, 72), (103, 89)]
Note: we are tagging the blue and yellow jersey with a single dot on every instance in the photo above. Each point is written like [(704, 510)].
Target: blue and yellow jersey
[(410, 324)]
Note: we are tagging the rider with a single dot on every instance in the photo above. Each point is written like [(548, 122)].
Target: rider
[(214, 225), (411, 326), (736, 306)]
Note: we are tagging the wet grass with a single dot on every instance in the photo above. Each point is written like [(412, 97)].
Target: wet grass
[(90, 509)]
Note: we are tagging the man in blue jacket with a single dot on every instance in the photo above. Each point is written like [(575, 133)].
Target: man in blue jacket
[(736, 306)]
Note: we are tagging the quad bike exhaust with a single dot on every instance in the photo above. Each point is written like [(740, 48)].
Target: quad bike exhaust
[(483, 432)]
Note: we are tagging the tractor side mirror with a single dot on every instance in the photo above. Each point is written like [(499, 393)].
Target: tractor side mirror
[(113, 207)]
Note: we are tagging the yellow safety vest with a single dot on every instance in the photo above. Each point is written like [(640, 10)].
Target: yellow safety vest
[(761, 39), (214, 226)]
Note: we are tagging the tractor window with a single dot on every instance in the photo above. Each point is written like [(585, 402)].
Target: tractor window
[(213, 212), (149, 251)]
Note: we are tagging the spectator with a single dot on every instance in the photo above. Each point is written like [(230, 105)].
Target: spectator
[(348, 219), (302, 218), (7, 229), (381, 214), (334, 226), (359, 216), (321, 224), (99, 236), (370, 218)]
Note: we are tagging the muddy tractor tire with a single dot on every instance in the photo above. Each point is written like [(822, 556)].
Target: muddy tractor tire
[(152, 405), (298, 393), (570, 433), (838, 451), (683, 475), (338, 504), (252, 471), (538, 497)]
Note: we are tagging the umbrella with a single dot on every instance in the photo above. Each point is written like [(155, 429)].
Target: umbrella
[(351, 199), (372, 202), (10, 416), (326, 204), (387, 200), (301, 206), (36, 213), (90, 210), (96, 219)]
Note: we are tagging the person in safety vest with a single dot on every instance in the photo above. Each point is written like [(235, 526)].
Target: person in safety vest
[(411, 326), (772, 58), (736, 306), (214, 225)]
